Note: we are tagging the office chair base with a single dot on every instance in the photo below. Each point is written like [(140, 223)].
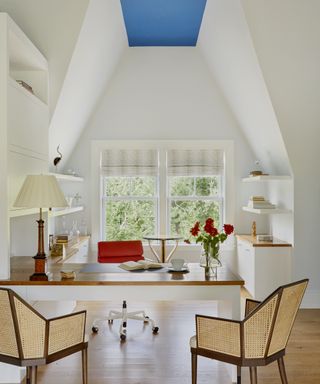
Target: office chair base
[(124, 316)]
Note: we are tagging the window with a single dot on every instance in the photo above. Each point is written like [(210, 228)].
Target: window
[(146, 192)]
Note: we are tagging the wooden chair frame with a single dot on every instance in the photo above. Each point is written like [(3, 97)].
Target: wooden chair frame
[(242, 343), (29, 340)]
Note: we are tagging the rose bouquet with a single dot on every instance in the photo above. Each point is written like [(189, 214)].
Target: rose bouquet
[(210, 238)]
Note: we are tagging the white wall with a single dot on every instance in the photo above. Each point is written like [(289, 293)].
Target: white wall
[(286, 38), (226, 44), (163, 94), (101, 42)]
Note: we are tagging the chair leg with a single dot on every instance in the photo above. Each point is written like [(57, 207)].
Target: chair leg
[(253, 375), (194, 367), (238, 374), (84, 355), (33, 375), (282, 371), (28, 375)]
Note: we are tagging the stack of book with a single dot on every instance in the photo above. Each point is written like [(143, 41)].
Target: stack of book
[(62, 239), (259, 202)]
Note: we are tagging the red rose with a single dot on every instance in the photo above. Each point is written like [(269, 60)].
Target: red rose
[(210, 221), (228, 229), (214, 232), (196, 229)]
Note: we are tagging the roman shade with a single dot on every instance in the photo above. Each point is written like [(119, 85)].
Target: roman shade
[(129, 162), (195, 162)]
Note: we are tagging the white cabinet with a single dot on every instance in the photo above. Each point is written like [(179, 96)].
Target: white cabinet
[(263, 266)]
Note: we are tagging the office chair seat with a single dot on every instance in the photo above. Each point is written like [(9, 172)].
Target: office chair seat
[(119, 252)]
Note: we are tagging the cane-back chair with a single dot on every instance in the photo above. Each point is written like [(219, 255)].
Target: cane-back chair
[(258, 340), (28, 340)]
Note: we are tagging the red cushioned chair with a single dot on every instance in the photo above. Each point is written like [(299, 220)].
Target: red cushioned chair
[(119, 252)]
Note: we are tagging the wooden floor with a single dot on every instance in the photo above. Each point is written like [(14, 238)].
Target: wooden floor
[(165, 358)]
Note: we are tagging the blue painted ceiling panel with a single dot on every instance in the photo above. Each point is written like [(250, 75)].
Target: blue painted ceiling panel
[(162, 22)]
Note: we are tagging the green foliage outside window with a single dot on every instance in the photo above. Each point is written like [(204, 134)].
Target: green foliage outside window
[(131, 205)]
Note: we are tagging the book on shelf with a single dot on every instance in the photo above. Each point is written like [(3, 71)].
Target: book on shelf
[(138, 265), (257, 198), (262, 205)]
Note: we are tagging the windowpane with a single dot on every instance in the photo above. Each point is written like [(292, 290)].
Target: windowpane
[(118, 186), (143, 186), (207, 186), (181, 186), (129, 220), (184, 213), (131, 186)]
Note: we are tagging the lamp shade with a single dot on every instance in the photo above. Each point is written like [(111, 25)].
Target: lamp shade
[(40, 191)]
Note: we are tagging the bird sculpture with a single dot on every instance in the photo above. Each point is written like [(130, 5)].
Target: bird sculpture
[(57, 159)]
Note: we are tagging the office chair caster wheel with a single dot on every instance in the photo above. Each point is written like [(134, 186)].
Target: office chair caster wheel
[(95, 329), (146, 319), (110, 321), (123, 337), (155, 330)]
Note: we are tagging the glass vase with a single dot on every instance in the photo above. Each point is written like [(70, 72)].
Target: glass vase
[(210, 261)]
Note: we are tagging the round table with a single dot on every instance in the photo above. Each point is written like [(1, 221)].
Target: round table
[(163, 239)]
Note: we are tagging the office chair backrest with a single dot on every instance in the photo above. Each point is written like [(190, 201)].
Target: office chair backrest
[(120, 251)]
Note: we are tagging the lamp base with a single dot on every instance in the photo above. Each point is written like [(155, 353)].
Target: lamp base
[(40, 267), (39, 277)]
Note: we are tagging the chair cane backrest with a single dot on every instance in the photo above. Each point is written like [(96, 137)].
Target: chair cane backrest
[(32, 330), (22, 329), (257, 327), (8, 340), (290, 301)]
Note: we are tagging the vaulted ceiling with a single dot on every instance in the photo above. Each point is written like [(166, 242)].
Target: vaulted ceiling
[(85, 39)]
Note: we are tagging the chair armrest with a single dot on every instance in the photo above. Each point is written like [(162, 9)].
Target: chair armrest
[(250, 306), (66, 331), (218, 335)]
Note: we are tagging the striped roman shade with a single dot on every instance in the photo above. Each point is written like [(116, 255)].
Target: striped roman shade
[(195, 162), (129, 162)]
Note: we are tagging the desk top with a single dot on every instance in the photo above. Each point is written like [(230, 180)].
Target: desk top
[(22, 268), (162, 237)]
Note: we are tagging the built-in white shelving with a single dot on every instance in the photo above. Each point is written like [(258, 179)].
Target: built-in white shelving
[(271, 211), (61, 176), (65, 211), (266, 178)]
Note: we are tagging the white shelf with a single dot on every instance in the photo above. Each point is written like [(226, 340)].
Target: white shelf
[(17, 212), (65, 211), (266, 211), (266, 178), (61, 176)]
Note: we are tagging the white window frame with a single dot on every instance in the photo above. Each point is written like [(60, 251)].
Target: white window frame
[(98, 146)]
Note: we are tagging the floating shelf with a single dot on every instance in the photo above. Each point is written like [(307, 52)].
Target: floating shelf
[(266, 178), (65, 211), (17, 212), (266, 211), (61, 176)]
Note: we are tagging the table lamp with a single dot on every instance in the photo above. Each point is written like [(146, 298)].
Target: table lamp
[(40, 191)]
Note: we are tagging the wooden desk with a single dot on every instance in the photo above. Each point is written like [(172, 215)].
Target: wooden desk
[(118, 285)]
